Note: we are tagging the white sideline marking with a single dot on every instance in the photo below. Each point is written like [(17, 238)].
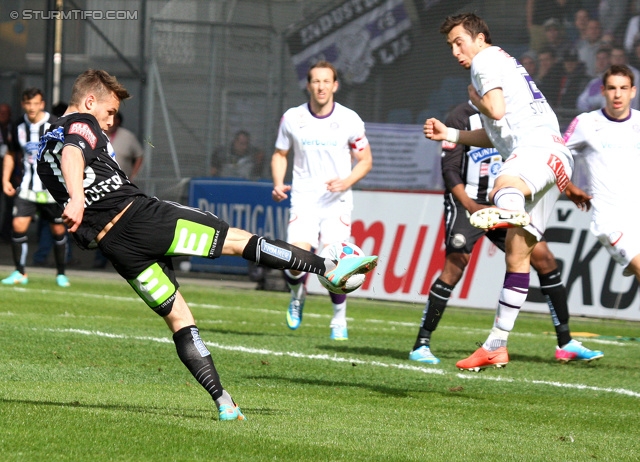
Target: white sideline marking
[(335, 358)]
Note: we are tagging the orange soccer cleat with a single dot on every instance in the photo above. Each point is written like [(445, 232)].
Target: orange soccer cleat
[(482, 359)]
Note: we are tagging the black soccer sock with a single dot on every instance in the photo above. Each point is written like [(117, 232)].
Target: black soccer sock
[(556, 295), (436, 303), (278, 254), (19, 248), (195, 355), (60, 252)]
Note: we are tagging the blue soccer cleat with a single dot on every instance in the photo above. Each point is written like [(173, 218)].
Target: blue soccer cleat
[(16, 278), (347, 267), (231, 412), (62, 280), (294, 313), (339, 333), (574, 351), (423, 355)]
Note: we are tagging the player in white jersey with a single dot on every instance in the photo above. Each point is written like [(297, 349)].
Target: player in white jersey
[(326, 139), (609, 141), (31, 196), (519, 122)]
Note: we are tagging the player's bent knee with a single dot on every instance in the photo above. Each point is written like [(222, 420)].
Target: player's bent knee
[(156, 289)]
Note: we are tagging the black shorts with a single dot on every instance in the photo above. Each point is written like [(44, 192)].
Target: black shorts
[(141, 243), (460, 236), (49, 212)]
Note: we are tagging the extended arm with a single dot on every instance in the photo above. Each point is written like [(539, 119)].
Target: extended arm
[(437, 131), (278, 172), (72, 165), (8, 163)]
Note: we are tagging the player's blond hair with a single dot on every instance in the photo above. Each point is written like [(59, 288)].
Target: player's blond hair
[(99, 83)]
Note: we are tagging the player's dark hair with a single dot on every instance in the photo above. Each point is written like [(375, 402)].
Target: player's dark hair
[(617, 69), (324, 64), (471, 22), (31, 93), (98, 82)]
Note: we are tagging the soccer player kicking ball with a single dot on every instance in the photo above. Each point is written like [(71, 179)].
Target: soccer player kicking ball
[(520, 124), (140, 234), (609, 140)]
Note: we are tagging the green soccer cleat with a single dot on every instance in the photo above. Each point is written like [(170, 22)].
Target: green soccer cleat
[(231, 412), (16, 278), (347, 267), (423, 355), (62, 280), (294, 313)]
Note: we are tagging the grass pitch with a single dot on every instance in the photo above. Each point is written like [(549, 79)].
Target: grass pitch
[(90, 373)]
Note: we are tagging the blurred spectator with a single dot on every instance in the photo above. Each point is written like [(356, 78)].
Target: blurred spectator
[(6, 202), (612, 14), (632, 31), (539, 11), (591, 97), (578, 28), (554, 36), (238, 160), (529, 60), (634, 58), (126, 146), (573, 79), (548, 77), (589, 46)]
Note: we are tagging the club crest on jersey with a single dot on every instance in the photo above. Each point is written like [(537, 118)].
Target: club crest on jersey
[(82, 129), (480, 154)]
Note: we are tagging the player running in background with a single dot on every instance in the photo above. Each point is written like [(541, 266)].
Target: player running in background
[(326, 138), (469, 173), (609, 140), (31, 196), (519, 123), (102, 207)]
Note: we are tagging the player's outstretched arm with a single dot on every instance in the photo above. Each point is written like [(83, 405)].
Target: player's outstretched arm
[(578, 197), (72, 166), (278, 171), (435, 130)]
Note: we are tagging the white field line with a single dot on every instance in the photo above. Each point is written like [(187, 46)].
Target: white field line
[(338, 359), (307, 314)]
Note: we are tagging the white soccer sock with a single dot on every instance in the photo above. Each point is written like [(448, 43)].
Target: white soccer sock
[(497, 338), (509, 198), (339, 315)]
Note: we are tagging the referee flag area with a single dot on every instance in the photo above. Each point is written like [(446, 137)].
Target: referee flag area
[(90, 373)]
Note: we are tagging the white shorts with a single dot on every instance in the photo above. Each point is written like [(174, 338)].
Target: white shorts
[(623, 246), (547, 175), (316, 225)]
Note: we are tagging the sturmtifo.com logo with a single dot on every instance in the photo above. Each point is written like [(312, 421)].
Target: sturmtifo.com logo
[(96, 15)]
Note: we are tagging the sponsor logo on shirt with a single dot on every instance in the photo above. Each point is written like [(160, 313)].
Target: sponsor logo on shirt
[(316, 142), (480, 154), (82, 129), (562, 179)]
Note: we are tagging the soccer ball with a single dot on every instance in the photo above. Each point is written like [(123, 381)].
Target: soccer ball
[(337, 251)]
